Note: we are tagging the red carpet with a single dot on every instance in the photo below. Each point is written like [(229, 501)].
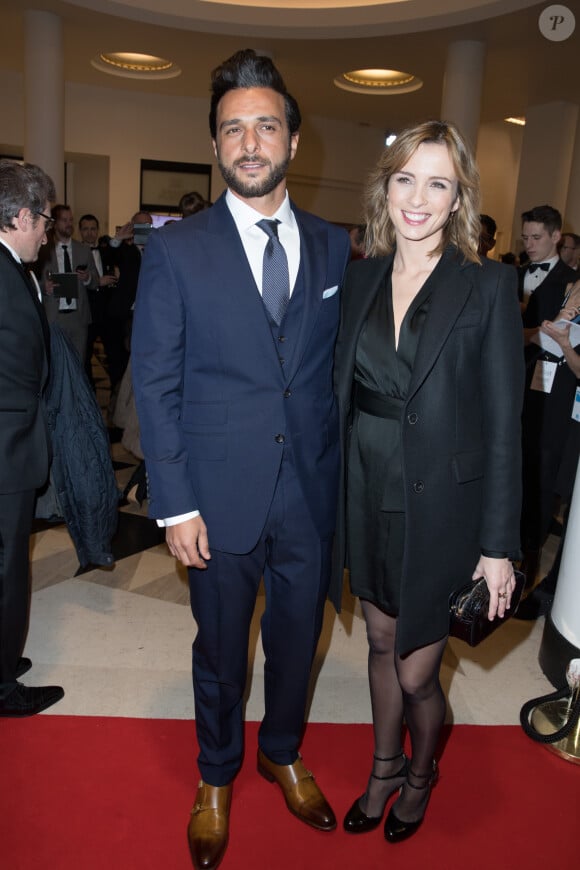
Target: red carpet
[(89, 794)]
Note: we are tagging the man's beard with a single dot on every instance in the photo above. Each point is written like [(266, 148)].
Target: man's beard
[(259, 187)]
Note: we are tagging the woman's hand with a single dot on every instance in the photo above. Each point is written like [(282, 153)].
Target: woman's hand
[(499, 576), (560, 334)]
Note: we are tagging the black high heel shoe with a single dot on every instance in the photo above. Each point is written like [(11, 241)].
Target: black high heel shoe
[(357, 822), (395, 828)]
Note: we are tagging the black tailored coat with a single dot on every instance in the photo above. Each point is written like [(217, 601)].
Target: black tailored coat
[(24, 440), (460, 432)]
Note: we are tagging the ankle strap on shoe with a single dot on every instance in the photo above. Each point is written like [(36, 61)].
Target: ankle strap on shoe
[(400, 754)]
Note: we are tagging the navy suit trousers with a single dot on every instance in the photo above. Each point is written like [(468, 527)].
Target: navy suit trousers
[(295, 565)]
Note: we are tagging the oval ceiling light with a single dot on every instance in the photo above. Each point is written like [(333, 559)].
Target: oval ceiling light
[(305, 4), (133, 65), (378, 81)]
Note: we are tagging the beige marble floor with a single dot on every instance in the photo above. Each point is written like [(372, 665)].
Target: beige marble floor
[(120, 643)]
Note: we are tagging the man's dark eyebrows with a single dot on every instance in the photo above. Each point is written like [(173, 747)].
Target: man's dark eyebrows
[(261, 119)]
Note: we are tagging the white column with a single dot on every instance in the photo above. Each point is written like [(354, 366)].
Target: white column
[(462, 87), (566, 607), (44, 95), (546, 158)]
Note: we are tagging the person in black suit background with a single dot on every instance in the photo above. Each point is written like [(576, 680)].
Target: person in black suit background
[(127, 259), (541, 233), (429, 380), (99, 296), (26, 193), (550, 383)]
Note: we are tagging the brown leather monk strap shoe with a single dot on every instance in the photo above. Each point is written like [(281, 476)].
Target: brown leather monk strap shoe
[(303, 797), (209, 825)]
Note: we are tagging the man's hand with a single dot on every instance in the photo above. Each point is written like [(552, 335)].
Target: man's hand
[(107, 280), (188, 542), (124, 232)]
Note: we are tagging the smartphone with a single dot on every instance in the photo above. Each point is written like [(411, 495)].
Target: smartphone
[(141, 233)]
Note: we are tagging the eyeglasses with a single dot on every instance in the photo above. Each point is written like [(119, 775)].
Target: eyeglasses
[(49, 220)]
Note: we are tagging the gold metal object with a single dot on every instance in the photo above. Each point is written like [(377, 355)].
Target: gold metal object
[(549, 717)]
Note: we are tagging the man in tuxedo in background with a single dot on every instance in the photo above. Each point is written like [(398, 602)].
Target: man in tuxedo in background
[(25, 196), (235, 324), (550, 383), (100, 295), (543, 280)]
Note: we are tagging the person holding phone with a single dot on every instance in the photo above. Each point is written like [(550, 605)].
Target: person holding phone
[(65, 256)]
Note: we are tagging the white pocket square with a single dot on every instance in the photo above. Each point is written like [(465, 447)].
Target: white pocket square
[(330, 292)]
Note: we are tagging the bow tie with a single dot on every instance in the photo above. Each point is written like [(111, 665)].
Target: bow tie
[(545, 267), (95, 248)]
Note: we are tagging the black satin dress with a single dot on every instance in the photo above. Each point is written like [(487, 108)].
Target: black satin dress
[(375, 497)]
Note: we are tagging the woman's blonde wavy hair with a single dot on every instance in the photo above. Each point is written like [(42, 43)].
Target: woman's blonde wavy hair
[(463, 226)]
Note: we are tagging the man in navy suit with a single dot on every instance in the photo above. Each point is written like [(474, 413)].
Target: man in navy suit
[(25, 196), (235, 324)]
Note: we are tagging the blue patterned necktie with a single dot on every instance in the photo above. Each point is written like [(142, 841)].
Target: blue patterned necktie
[(275, 278)]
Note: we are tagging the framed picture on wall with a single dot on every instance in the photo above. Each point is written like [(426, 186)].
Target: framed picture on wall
[(163, 183)]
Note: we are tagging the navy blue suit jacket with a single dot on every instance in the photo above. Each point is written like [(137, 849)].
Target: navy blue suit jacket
[(212, 396)]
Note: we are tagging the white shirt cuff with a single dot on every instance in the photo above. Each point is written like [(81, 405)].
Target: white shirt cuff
[(173, 521)]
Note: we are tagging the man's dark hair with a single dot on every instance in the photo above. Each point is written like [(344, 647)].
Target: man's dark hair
[(489, 225), (544, 214), (23, 185), (246, 69), (58, 209), (89, 217)]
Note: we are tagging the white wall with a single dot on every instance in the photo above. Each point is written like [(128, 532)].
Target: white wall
[(498, 157)]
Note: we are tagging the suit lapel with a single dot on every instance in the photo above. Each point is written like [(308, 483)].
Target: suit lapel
[(451, 290), (312, 273), (31, 288)]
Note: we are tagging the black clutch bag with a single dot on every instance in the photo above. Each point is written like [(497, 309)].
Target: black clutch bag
[(469, 606)]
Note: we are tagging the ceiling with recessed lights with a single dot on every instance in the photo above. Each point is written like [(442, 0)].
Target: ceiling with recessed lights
[(314, 43)]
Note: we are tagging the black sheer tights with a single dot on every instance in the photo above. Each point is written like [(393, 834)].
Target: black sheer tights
[(401, 688)]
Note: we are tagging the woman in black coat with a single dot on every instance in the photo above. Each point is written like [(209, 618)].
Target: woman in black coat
[(429, 376)]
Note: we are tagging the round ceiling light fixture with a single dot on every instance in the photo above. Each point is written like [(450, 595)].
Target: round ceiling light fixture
[(133, 65), (380, 82)]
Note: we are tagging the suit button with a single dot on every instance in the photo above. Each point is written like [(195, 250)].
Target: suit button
[(282, 360), (281, 338), (418, 486), (413, 418), (279, 439), (287, 394)]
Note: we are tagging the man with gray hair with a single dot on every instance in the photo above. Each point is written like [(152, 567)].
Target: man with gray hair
[(26, 193)]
